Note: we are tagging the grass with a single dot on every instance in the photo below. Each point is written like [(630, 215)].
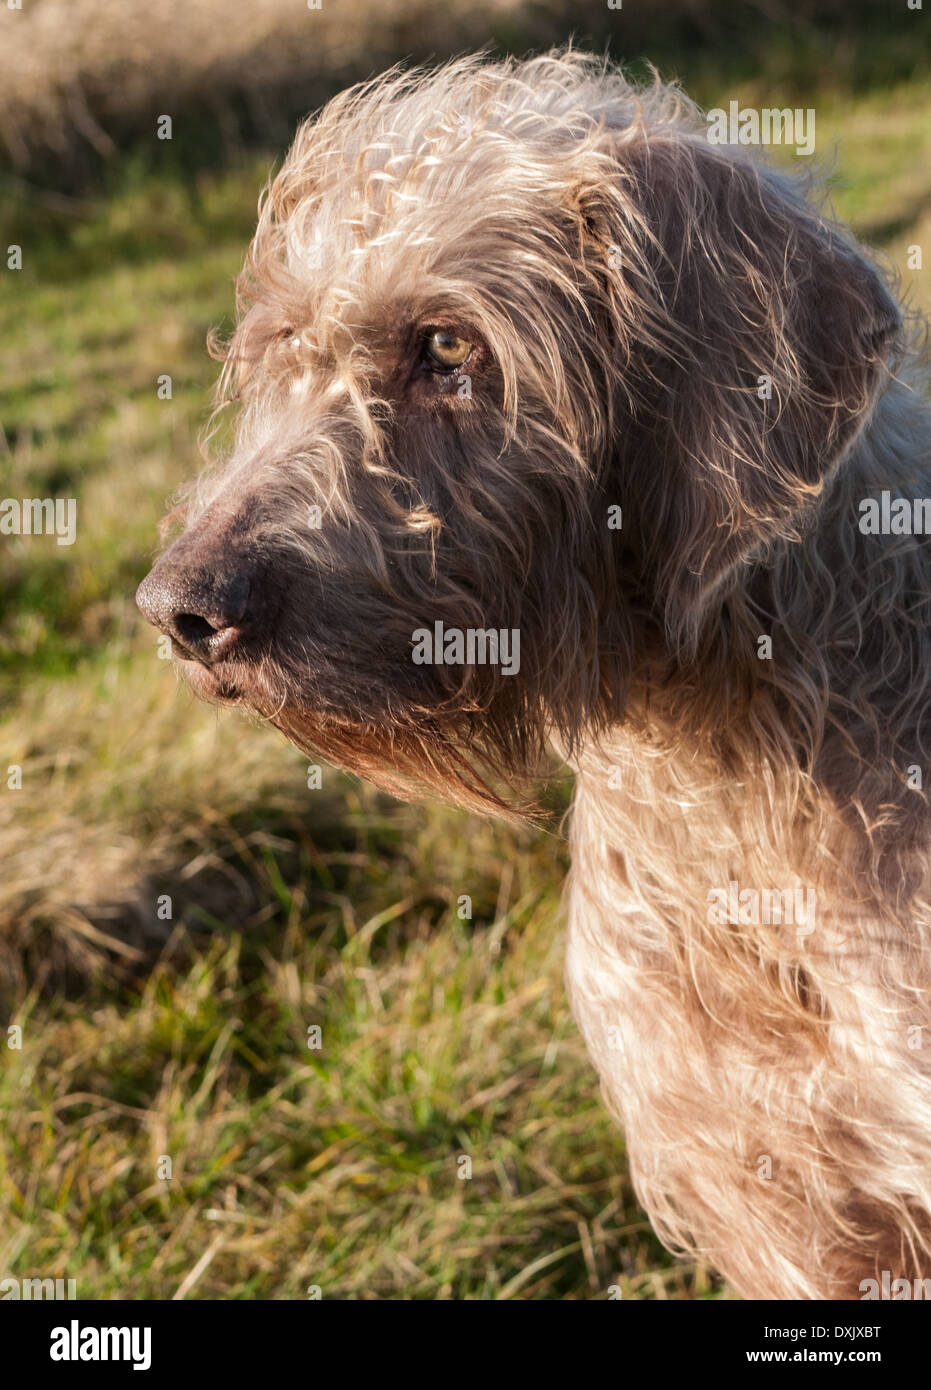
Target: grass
[(79, 79), (336, 1167), (177, 908)]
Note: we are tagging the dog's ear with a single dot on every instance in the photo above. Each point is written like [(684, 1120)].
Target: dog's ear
[(748, 338)]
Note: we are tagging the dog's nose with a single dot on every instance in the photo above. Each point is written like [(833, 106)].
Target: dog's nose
[(206, 613)]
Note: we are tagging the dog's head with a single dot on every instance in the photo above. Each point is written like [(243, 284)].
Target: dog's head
[(525, 372)]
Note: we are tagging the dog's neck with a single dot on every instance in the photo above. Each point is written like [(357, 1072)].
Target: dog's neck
[(801, 693)]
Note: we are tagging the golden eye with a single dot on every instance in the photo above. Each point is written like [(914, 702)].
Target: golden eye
[(445, 351)]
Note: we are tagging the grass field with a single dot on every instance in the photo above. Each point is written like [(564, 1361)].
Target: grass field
[(178, 909)]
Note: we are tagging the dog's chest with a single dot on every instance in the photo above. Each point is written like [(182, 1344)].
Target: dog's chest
[(674, 842)]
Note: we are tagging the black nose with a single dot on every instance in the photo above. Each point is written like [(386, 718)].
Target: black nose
[(205, 611)]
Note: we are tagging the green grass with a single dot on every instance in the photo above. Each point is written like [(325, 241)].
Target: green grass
[(442, 1038), (103, 307), (337, 1167)]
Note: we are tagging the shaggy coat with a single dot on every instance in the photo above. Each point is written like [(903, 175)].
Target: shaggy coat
[(519, 348)]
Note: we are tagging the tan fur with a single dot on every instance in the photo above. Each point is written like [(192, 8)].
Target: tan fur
[(627, 286)]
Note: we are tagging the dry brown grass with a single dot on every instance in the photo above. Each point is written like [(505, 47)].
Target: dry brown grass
[(87, 72), (86, 67)]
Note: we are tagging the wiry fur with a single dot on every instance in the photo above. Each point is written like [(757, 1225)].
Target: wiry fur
[(627, 285)]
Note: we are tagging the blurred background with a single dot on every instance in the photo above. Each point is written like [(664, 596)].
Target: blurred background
[(177, 907)]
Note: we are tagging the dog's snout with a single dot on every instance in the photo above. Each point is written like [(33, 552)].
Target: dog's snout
[(205, 612)]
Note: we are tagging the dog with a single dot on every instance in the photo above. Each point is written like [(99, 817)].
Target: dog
[(526, 366)]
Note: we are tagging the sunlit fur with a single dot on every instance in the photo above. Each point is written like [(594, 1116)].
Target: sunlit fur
[(630, 286)]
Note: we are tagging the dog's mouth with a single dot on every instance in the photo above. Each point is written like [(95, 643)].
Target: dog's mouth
[(247, 681), (410, 755), (216, 683)]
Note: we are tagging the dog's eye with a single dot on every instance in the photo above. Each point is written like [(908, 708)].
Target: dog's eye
[(445, 352)]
